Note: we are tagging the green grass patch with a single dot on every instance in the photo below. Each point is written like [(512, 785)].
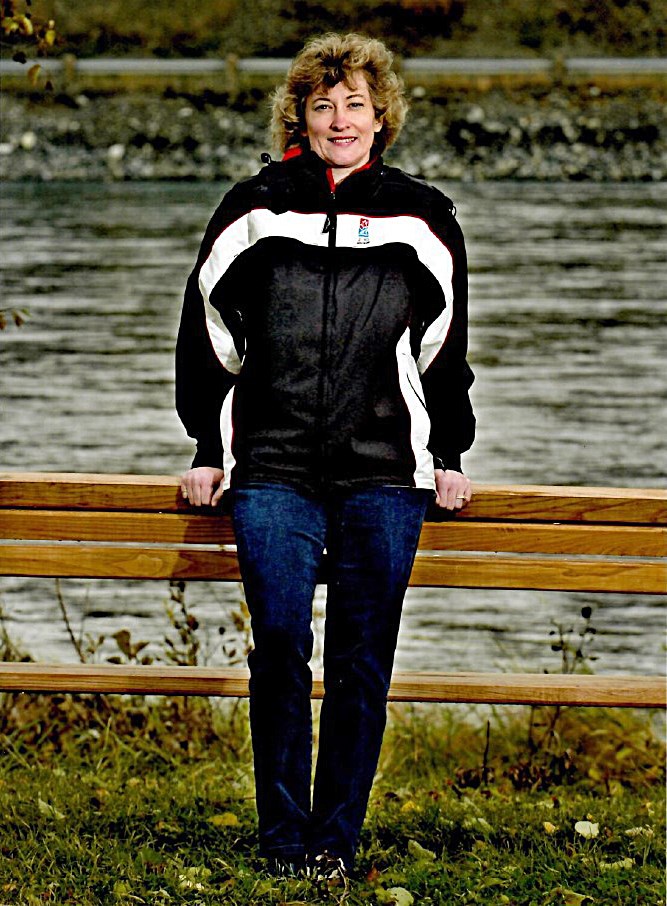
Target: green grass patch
[(110, 800)]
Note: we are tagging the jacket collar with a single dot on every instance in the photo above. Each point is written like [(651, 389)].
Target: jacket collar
[(313, 169)]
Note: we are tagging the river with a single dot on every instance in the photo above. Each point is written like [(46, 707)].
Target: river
[(568, 339)]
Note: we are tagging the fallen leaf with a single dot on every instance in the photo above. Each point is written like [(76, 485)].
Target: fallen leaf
[(644, 831), (478, 824), (419, 853), (395, 896), (587, 829), (571, 898), (166, 827), (194, 878), (225, 819), (622, 863), (49, 811), (121, 889), (373, 875), (549, 827)]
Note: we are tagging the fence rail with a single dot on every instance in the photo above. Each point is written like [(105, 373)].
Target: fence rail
[(277, 66), (476, 688), (552, 538)]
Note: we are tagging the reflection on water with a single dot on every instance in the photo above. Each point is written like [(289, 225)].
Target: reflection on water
[(568, 340)]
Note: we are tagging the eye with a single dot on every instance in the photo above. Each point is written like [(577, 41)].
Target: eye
[(322, 106)]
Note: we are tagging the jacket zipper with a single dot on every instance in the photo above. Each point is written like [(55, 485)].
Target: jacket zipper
[(328, 317)]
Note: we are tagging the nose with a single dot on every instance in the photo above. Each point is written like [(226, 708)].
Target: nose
[(339, 119)]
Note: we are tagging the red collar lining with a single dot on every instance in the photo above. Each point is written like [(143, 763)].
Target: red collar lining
[(296, 151)]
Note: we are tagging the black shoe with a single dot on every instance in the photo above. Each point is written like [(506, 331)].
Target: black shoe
[(327, 868)]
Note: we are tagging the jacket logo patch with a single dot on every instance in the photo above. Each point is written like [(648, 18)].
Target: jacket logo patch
[(363, 237)]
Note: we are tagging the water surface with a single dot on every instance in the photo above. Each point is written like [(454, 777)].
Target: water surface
[(568, 340)]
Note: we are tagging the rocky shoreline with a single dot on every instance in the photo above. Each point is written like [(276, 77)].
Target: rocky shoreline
[(554, 136)]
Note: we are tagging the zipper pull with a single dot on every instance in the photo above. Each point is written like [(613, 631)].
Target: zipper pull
[(328, 222)]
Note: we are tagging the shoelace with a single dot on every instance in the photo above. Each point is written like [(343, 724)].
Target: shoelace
[(326, 867)]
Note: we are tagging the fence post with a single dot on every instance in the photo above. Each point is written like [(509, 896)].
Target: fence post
[(69, 69), (232, 75)]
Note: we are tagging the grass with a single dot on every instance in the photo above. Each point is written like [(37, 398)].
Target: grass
[(279, 27), (119, 801), (124, 800)]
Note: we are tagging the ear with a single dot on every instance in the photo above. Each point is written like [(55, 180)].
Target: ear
[(378, 124)]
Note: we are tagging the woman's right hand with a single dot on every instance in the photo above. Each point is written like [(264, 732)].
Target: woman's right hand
[(202, 486)]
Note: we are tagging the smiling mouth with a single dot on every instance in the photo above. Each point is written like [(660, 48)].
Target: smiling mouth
[(343, 141)]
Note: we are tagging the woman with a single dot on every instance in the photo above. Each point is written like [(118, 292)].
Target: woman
[(321, 369)]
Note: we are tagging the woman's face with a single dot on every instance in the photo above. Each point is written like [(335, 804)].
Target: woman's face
[(341, 125)]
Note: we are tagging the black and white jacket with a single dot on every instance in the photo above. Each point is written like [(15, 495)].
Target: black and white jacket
[(324, 331)]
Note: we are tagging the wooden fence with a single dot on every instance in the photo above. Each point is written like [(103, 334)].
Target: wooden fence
[(599, 540)]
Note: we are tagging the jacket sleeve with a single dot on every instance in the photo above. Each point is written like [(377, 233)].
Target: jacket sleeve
[(209, 349), (446, 376)]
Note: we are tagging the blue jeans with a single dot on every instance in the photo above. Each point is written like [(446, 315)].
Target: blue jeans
[(370, 536)]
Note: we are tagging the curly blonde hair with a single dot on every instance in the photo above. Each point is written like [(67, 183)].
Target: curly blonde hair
[(326, 61)]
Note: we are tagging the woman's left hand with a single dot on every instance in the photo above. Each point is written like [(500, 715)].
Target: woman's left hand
[(453, 490)]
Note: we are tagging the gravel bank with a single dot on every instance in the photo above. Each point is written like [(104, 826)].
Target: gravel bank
[(555, 136)]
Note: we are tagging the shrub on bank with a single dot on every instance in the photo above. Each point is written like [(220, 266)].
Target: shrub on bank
[(411, 27)]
